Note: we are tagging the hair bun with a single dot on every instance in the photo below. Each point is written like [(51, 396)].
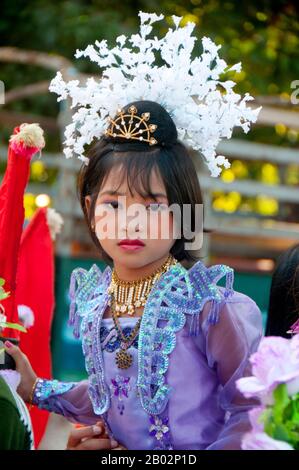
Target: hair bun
[(165, 133)]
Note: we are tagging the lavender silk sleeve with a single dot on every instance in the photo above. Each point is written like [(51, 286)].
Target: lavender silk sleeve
[(229, 344), (68, 399)]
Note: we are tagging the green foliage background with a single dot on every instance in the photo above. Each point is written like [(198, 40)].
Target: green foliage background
[(263, 35)]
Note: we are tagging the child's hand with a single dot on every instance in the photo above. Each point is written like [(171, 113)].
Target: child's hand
[(23, 366), (90, 438)]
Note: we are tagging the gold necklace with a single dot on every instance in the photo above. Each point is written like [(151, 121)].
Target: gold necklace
[(128, 295), (122, 291)]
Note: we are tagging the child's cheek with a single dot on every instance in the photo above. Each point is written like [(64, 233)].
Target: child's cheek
[(160, 224), (105, 228)]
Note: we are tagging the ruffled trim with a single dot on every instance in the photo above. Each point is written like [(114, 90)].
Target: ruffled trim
[(85, 294), (169, 300), (205, 281)]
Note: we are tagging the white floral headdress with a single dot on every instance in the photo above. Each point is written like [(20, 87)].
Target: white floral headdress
[(203, 108)]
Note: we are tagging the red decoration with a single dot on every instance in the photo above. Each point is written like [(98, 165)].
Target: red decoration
[(11, 221), (35, 289)]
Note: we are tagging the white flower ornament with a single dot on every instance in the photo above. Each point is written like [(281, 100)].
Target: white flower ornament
[(203, 108)]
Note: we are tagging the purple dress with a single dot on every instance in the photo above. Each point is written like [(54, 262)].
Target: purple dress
[(194, 342)]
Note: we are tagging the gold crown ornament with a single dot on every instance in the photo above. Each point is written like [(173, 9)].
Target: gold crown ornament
[(134, 127)]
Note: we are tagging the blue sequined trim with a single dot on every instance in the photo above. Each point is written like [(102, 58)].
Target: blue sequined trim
[(165, 302), (86, 289), (179, 292), (91, 342), (44, 390), (88, 304), (205, 282)]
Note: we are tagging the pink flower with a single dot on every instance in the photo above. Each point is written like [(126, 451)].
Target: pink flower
[(257, 439), (275, 362), (261, 441), (256, 424)]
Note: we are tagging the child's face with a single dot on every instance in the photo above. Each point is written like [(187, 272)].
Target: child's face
[(122, 216)]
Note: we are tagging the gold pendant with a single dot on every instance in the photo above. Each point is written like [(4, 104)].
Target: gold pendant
[(124, 360)]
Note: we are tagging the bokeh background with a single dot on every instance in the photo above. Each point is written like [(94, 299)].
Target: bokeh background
[(252, 210)]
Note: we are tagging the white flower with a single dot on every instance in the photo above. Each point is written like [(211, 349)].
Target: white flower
[(237, 67), (55, 222), (204, 108), (26, 316), (121, 40)]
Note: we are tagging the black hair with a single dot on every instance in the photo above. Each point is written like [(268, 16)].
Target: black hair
[(284, 294), (137, 159)]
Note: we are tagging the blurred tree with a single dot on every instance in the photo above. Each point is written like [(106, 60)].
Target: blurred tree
[(263, 35)]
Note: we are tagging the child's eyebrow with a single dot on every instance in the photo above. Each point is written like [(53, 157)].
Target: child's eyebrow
[(116, 193)]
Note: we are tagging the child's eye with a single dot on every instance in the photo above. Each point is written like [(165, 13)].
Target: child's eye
[(155, 207), (112, 204)]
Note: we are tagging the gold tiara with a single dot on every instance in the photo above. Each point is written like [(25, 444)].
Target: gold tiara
[(136, 128)]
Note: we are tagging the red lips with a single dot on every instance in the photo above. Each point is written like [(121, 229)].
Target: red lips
[(131, 242)]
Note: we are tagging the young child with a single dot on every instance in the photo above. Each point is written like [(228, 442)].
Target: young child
[(163, 345)]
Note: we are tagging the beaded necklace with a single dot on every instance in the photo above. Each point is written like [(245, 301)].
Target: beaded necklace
[(133, 294), (128, 295)]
